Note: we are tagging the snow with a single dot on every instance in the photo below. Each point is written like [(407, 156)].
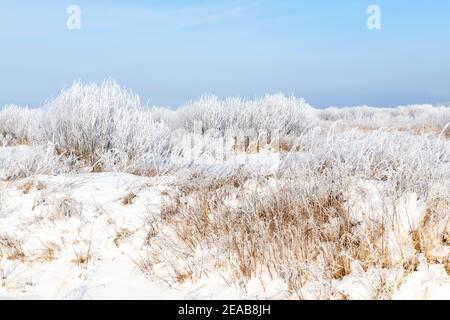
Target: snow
[(428, 282), (113, 274)]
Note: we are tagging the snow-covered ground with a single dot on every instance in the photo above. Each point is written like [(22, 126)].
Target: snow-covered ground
[(75, 237), (85, 215)]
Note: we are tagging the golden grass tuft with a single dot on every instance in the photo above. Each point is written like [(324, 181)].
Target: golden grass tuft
[(11, 248), (27, 187), (121, 235), (83, 253), (49, 252), (128, 199)]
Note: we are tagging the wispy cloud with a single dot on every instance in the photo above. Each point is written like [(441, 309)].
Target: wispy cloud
[(169, 17)]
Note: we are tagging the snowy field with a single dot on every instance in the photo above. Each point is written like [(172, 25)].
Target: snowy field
[(104, 198)]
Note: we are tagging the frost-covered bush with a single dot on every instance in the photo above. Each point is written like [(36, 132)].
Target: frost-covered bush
[(24, 161), (403, 161), (288, 114), (106, 128), (419, 117), (140, 144), (91, 121), (14, 124)]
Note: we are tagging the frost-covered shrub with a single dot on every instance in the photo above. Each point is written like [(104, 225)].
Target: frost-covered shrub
[(14, 124), (419, 117), (24, 161), (81, 120), (89, 121), (404, 161), (106, 128), (288, 114), (140, 144)]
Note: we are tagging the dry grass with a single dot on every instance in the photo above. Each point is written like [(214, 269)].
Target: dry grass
[(151, 172), (432, 238), (65, 207), (49, 252), (128, 199), (266, 234), (182, 277), (152, 232), (121, 235), (83, 253), (26, 187), (443, 132), (3, 277), (11, 248), (384, 289), (447, 265), (293, 232)]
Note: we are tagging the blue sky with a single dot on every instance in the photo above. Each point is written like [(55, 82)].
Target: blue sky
[(172, 51)]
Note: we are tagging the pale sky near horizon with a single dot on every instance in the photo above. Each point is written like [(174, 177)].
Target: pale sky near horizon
[(170, 52)]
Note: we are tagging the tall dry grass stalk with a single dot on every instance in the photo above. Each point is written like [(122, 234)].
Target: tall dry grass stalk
[(295, 231)]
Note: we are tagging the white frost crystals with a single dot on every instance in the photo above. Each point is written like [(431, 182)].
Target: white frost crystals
[(105, 126), (103, 197)]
